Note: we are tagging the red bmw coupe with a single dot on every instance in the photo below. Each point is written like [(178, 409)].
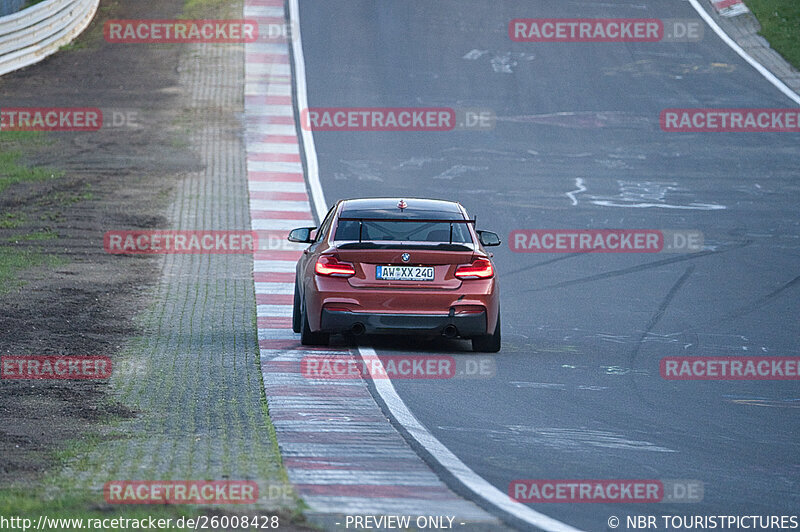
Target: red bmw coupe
[(395, 266)]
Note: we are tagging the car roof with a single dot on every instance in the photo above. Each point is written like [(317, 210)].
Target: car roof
[(389, 208)]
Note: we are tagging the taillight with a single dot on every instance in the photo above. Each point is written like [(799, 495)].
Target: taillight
[(479, 269), (330, 266)]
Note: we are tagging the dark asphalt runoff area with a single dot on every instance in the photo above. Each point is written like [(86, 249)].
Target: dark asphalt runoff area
[(577, 145)]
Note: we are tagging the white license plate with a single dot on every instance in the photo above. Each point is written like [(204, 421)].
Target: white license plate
[(404, 273)]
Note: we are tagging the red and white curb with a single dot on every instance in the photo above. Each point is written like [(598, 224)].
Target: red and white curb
[(730, 8), (341, 453)]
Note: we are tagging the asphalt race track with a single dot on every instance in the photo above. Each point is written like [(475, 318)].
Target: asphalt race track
[(577, 145), (149, 298)]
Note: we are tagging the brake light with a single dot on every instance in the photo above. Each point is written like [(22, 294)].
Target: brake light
[(330, 266), (479, 269)]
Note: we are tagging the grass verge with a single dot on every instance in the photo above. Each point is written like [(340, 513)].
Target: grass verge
[(780, 25), (12, 171), (15, 260)]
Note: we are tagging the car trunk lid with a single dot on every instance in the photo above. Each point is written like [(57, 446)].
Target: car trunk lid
[(443, 258)]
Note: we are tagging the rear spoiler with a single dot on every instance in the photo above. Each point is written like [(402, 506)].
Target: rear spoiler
[(441, 246), (409, 220)]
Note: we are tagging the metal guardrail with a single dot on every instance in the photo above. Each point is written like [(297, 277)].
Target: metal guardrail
[(30, 35)]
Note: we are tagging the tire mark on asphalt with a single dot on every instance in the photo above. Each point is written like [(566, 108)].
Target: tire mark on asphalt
[(660, 311), (743, 311), (654, 319), (762, 301), (641, 267), (544, 263)]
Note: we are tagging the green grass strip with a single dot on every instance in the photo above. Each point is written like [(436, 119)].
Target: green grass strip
[(780, 25)]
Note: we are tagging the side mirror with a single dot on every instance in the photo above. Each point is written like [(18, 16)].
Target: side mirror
[(488, 238), (301, 235)]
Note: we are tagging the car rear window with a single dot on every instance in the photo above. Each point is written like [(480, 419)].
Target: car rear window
[(373, 231)]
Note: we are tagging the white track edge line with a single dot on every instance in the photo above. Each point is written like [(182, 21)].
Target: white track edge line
[(772, 78), (384, 387), (450, 461), (312, 166)]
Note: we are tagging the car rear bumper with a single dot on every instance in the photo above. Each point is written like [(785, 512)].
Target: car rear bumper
[(467, 325)]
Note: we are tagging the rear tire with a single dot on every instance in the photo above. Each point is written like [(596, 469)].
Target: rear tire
[(488, 343), (297, 317), (307, 336)]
